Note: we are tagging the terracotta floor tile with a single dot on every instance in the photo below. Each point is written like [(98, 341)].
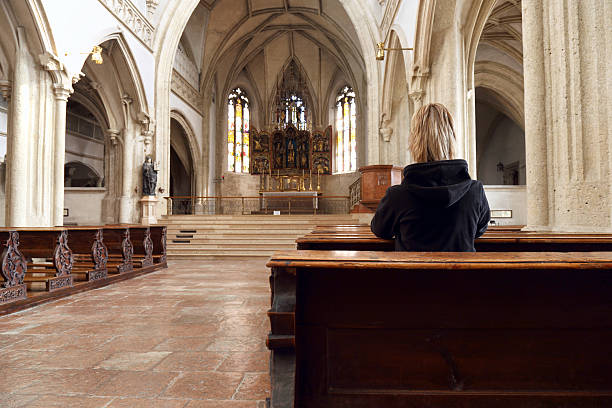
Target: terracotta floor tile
[(191, 361), (237, 344), (16, 401), (14, 380), (205, 385), (142, 384), (185, 344), (254, 387), (223, 404), (192, 335), (133, 361), (132, 343), (65, 382), (49, 401), (258, 361), (148, 403)]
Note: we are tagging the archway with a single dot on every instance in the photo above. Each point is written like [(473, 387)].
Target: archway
[(182, 170), (237, 42)]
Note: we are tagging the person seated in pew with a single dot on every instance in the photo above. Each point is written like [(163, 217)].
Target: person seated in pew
[(437, 207)]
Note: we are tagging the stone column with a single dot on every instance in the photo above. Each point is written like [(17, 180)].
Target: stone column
[(125, 202), (59, 155), (568, 131), (18, 142), (535, 115)]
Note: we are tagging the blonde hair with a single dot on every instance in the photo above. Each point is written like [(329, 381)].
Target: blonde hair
[(432, 134)]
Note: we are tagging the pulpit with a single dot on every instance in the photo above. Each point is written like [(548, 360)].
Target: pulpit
[(374, 181)]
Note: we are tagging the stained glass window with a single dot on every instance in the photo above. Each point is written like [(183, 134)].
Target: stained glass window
[(346, 128), (238, 117)]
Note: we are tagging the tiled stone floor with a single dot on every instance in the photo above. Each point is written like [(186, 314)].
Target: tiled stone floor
[(189, 336)]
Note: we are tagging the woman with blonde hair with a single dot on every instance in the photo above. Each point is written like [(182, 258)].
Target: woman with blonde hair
[(437, 207)]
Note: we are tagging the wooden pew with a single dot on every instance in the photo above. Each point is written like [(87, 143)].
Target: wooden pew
[(49, 258), (467, 330), (13, 268), (140, 236), (120, 248), (361, 240), (90, 253), (158, 235)]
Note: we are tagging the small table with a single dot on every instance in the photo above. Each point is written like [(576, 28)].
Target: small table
[(289, 200)]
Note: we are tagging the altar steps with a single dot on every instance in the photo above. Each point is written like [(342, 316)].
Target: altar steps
[(212, 236)]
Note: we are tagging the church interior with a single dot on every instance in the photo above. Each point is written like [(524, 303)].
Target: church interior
[(186, 188)]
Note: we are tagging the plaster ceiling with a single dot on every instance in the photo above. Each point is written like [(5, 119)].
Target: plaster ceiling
[(236, 31), (503, 29)]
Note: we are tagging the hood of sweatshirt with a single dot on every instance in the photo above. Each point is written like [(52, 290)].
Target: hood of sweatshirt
[(437, 184)]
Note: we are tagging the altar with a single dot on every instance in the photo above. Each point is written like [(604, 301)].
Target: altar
[(290, 201)]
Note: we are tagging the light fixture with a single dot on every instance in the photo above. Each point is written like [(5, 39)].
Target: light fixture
[(96, 54), (380, 50)]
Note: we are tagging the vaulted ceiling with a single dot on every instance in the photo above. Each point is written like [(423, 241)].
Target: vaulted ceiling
[(226, 37)]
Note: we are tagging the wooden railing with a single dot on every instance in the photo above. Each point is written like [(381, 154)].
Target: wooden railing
[(245, 205)]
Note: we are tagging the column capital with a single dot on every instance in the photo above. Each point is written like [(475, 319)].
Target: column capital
[(114, 135), (62, 93), (62, 83), (6, 87)]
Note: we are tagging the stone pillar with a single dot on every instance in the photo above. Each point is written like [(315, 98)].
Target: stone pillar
[(125, 202), (19, 140), (535, 115), (59, 152), (568, 80)]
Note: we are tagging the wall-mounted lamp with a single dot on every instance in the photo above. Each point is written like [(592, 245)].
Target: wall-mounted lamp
[(96, 54), (500, 167), (380, 50)]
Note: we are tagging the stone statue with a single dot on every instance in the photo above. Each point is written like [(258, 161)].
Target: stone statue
[(149, 177)]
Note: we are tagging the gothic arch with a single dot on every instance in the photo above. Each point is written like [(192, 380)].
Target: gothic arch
[(506, 83), (168, 35)]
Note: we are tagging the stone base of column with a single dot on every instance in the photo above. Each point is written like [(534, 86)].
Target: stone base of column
[(148, 206)]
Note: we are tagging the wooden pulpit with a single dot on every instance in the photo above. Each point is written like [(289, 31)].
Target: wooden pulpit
[(375, 180)]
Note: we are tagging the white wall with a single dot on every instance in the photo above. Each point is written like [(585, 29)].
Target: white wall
[(84, 205), (508, 198)]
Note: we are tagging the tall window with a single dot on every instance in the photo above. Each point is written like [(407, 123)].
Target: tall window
[(238, 132), (346, 140)]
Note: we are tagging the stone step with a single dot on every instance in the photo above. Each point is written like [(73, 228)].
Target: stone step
[(202, 236)]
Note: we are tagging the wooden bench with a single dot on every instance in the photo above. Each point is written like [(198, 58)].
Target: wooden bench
[(120, 248), (90, 253), (143, 246), (49, 258), (158, 235), (13, 268), (519, 241), (404, 329)]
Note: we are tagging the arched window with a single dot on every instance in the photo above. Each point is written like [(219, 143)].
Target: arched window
[(346, 128), (238, 132)]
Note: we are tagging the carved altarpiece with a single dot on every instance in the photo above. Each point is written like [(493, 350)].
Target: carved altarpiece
[(290, 151)]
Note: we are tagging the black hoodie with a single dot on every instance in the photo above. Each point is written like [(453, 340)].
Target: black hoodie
[(438, 207)]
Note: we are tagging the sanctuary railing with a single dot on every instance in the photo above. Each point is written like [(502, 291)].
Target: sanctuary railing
[(266, 203)]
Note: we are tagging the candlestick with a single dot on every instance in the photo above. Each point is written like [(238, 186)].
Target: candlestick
[(318, 179)]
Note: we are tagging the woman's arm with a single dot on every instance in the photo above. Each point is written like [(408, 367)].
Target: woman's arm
[(383, 222), (485, 214)]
